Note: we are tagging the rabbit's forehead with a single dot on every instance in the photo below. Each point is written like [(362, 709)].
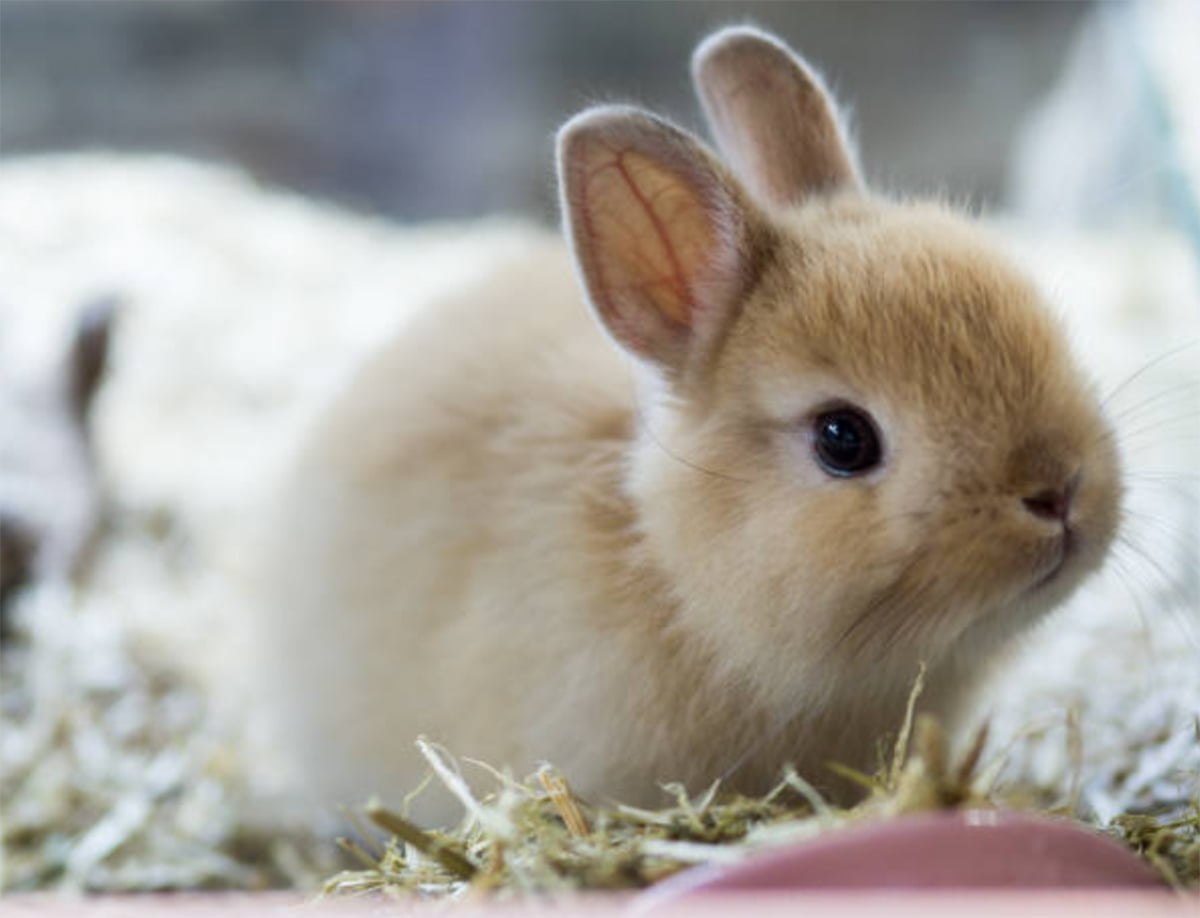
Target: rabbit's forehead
[(929, 319)]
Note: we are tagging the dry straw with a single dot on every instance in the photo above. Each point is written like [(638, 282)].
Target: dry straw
[(112, 778), (536, 837)]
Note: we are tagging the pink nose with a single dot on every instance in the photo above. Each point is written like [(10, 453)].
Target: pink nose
[(1049, 504)]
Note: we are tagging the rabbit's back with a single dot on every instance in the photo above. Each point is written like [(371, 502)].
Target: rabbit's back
[(430, 526)]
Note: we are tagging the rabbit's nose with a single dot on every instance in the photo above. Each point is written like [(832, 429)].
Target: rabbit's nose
[(1048, 504), (1052, 503)]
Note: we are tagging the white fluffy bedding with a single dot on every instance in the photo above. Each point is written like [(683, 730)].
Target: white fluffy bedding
[(241, 307)]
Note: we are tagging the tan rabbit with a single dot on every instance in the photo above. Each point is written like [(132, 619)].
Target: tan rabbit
[(827, 438)]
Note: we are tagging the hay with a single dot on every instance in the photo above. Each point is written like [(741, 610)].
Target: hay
[(113, 772), (536, 838), (113, 777)]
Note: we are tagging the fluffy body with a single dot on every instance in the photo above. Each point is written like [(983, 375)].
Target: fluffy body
[(511, 537), (486, 542)]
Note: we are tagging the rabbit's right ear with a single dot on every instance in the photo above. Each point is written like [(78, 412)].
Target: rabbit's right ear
[(772, 117), (662, 234)]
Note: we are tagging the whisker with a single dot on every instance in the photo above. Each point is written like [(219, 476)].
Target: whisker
[(1168, 581), (1171, 587), (1126, 437), (1182, 490), (1179, 535), (1168, 425), (903, 629), (1168, 409), (1121, 570), (644, 427), (1188, 389), (904, 593), (1141, 371), (1162, 476), (1115, 432), (760, 743), (882, 599)]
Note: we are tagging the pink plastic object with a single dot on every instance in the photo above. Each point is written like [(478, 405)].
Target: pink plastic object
[(962, 849)]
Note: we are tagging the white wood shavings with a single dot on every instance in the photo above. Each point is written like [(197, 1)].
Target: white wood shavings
[(242, 308), (107, 773)]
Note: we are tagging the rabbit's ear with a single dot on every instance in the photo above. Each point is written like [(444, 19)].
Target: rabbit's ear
[(772, 117), (88, 356), (660, 231)]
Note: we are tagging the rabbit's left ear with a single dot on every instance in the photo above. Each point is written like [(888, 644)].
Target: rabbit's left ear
[(772, 117)]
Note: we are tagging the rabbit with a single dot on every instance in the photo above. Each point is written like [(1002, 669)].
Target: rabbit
[(695, 494), (52, 502)]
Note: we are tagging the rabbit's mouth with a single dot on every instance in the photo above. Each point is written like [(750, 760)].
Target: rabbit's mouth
[(1062, 550)]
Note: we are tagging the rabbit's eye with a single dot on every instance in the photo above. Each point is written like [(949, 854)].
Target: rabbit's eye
[(845, 442)]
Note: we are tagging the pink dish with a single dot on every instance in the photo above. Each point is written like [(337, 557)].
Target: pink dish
[(950, 850)]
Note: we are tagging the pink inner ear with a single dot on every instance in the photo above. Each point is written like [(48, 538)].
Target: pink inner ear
[(646, 272), (650, 237)]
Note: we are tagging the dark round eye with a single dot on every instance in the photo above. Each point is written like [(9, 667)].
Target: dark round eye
[(845, 442)]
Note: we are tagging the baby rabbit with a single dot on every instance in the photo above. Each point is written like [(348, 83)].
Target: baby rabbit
[(695, 495)]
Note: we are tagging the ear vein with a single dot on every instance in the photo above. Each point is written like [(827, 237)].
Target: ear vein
[(675, 278)]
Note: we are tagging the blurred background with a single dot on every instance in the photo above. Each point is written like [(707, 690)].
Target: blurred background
[(447, 109), (233, 311)]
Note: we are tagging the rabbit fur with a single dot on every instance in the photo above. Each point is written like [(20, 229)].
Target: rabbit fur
[(575, 513)]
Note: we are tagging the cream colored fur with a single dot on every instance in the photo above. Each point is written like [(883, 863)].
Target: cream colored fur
[(512, 537)]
